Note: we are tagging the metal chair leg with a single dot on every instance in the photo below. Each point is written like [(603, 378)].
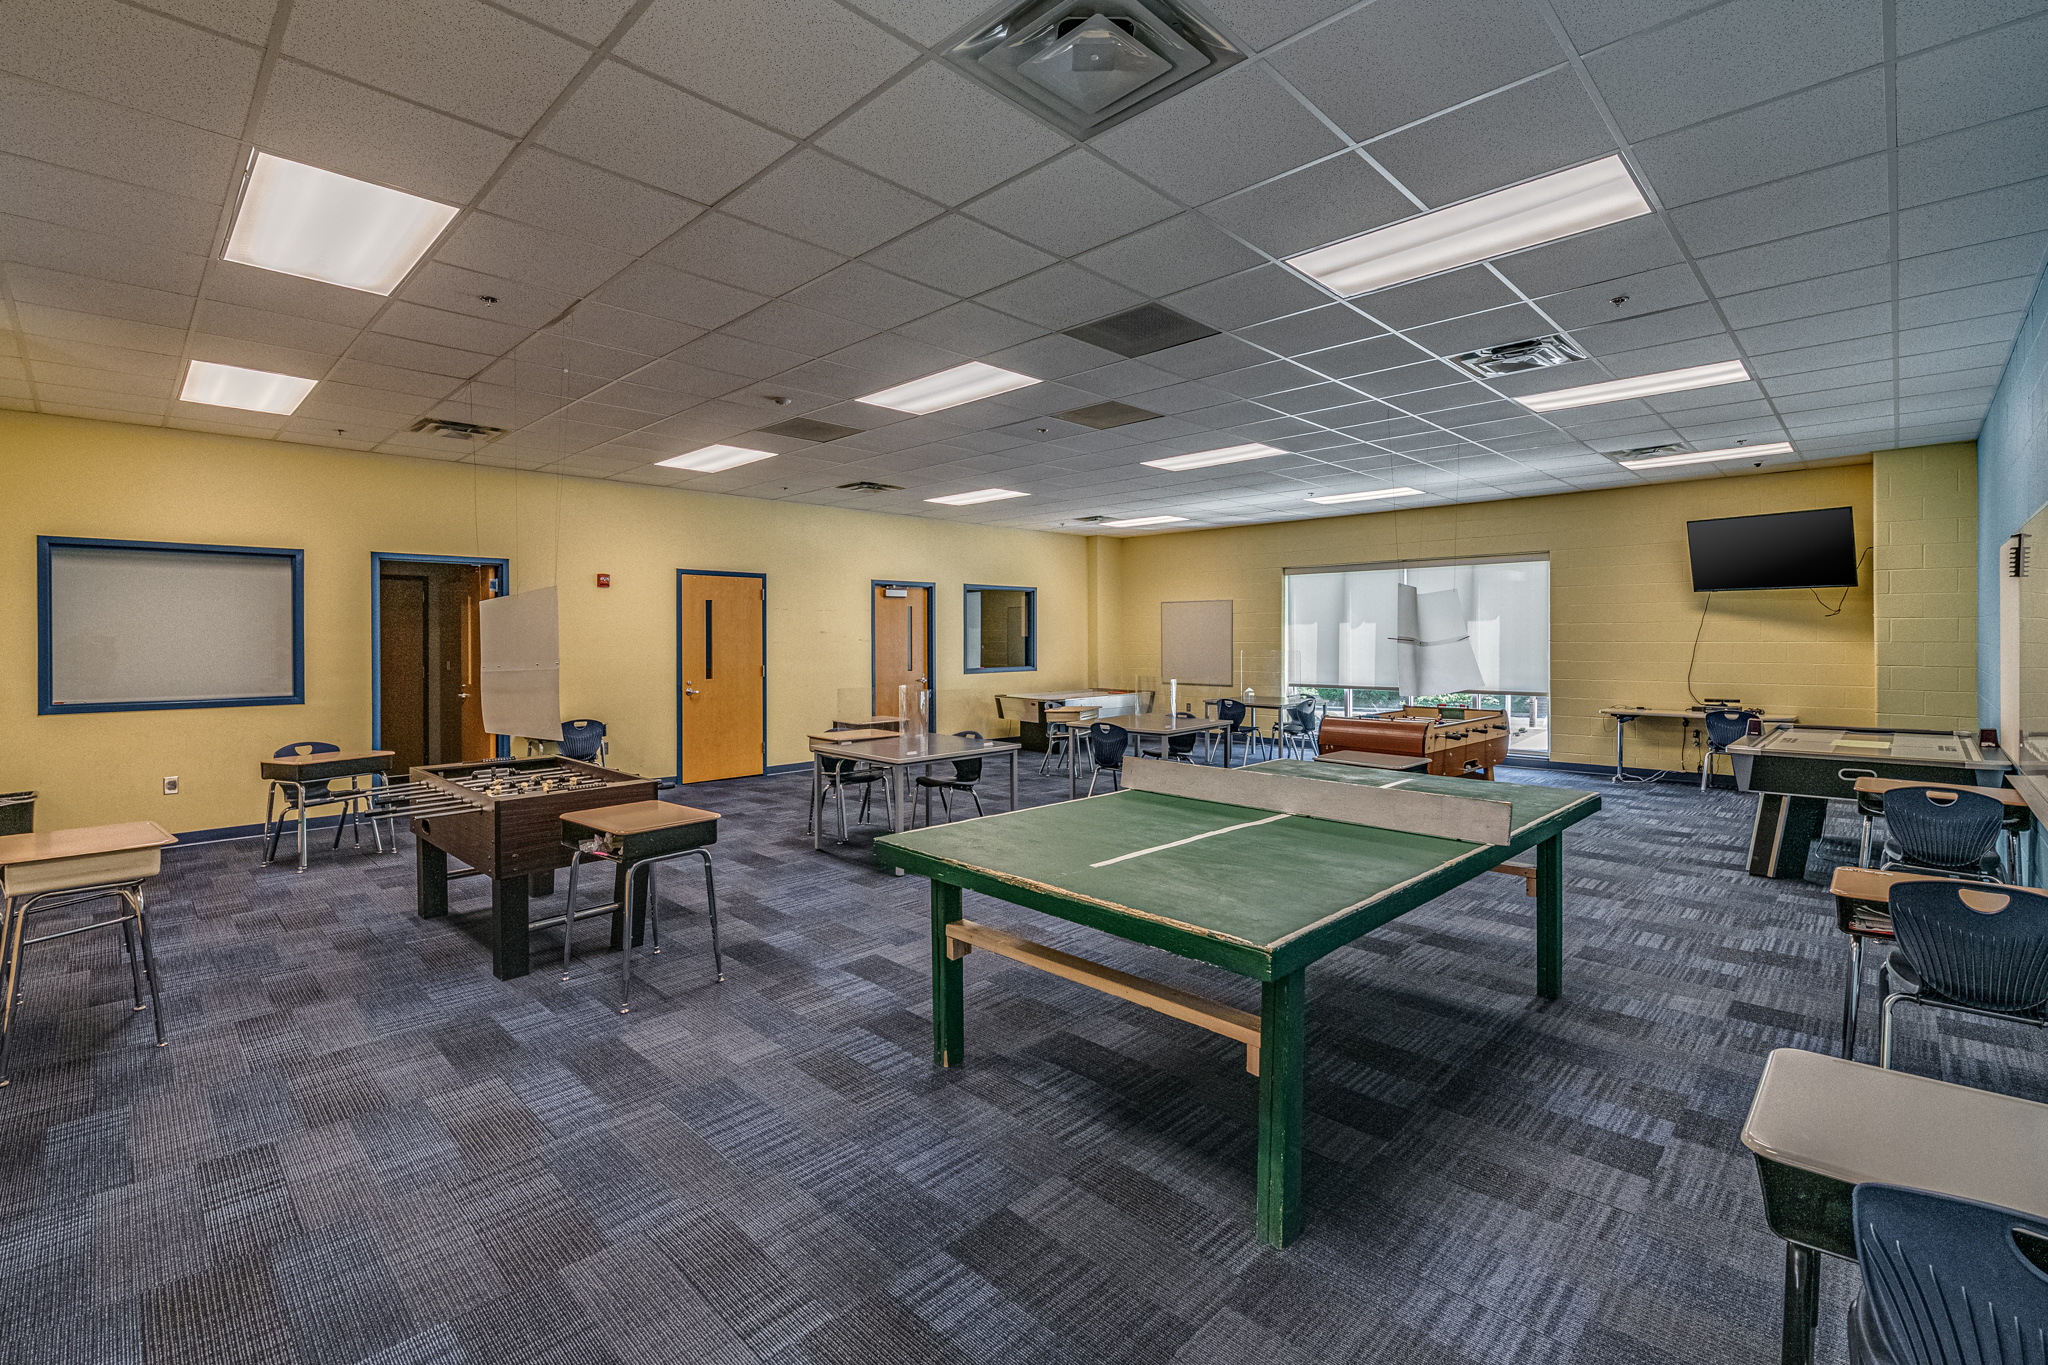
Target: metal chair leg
[(1852, 996), (156, 1004), (711, 904), (269, 814), (11, 942), (644, 871), (1884, 1036), (569, 910), (1863, 850), (977, 804), (134, 958)]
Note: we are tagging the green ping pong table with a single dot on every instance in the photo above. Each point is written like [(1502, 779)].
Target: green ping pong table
[(1263, 884)]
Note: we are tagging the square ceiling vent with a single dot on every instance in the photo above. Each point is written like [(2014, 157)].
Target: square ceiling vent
[(1515, 357), (1089, 66)]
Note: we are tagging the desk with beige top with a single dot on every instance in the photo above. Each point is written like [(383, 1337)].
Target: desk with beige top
[(1028, 709), (299, 771), (1820, 1126), (896, 755), (1691, 714), (65, 867)]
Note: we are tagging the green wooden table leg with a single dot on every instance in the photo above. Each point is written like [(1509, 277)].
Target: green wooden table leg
[(1281, 1018), (1550, 916), (946, 978)]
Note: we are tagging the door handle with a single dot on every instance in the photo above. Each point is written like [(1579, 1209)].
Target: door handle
[(688, 690)]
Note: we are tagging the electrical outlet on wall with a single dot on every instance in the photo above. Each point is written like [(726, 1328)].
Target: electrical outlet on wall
[(170, 786)]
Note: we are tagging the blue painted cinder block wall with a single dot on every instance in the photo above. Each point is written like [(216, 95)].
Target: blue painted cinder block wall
[(2012, 479)]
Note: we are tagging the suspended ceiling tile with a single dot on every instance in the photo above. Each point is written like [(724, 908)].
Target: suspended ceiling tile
[(1222, 135), (1785, 208), (959, 255), (795, 64), (90, 135), (1179, 253), (570, 199), (131, 57), (1801, 132), (1985, 77), (350, 129), (830, 204), (942, 135), (1532, 129), (1070, 204), (625, 121)]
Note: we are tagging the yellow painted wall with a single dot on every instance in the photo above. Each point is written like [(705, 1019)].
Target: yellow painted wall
[(66, 476), (1623, 613), (1925, 560)]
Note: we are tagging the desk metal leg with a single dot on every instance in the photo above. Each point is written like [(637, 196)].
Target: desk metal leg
[(947, 979), (302, 827), (1281, 1029), (817, 801), (1013, 777), (1802, 1304), (1550, 917), (1620, 724)]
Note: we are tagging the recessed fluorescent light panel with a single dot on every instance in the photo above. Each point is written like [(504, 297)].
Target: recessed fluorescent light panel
[(301, 220), (1368, 497), (1143, 521), (1202, 459), (1526, 215), (1703, 456), (231, 386), (950, 388), (712, 459), (1642, 386), (979, 495)]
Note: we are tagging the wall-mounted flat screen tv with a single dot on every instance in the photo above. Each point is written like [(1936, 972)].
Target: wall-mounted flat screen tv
[(1814, 549)]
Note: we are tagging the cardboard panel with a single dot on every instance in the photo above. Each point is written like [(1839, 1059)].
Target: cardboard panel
[(1196, 644)]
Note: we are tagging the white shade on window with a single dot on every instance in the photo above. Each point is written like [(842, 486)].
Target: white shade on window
[(1421, 629)]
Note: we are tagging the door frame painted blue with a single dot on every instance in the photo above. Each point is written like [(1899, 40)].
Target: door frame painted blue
[(931, 611), (378, 559), (681, 574)]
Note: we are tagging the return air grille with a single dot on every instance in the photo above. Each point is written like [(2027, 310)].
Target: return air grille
[(807, 429), (1140, 331), (457, 431), (1103, 416), (867, 486)]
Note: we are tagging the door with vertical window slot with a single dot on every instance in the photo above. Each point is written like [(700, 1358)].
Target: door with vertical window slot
[(903, 646), (721, 675)]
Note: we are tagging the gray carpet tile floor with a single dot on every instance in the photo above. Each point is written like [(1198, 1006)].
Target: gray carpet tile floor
[(361, 1149)]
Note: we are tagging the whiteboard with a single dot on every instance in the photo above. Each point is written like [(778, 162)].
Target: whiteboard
[(1195, 642), (519, 640), (145, 626)]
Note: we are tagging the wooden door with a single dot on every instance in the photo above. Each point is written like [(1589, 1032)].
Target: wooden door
[(402, 668), (720, 675), (476, 744), (903, 617)]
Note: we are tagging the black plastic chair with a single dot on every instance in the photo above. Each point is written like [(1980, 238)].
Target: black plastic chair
[(1106, 745), (1967, 947), (310, 796), (1232, 710), (841, 773), (1724, 727), (1946, 1281), (966, 772), (1297, 727), (1942, 829), (584, 740)]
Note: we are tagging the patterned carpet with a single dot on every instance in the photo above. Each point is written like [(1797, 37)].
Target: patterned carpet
[(359, 1147)]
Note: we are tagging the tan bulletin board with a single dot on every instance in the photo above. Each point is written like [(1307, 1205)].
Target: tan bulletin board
[(1195, 643)]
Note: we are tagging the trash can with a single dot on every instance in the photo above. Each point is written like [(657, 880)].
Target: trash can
[(17, 812)]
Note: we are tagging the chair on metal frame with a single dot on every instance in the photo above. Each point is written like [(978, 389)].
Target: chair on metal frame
[(1946, 1281), (1181, 748), (1106, 745), (841, 773), (1967, 947), (1942, 829), (302, 797), (585, 741), (1297, 727), (1233, 710), (1724, 726), (966, 772)]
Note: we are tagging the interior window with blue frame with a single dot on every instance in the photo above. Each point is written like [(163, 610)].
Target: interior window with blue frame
[(1001, 628)]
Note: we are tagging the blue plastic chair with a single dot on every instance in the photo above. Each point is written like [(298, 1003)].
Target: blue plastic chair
[(1942, 829), (1965, 946), (584, 740), (1946, 1281), (1724, 727), (1106, 745)]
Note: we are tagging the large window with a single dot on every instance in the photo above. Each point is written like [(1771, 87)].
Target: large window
[(1476, 633), (1002, 629)]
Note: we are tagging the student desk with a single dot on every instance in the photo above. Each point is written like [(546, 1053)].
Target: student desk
[(897, 755), (1820, 1126), (2019, 816), (300, 770)]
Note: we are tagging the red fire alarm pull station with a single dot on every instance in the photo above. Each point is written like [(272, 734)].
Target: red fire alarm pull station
[(604, 580)]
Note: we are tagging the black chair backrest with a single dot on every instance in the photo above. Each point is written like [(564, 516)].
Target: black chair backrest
[(1980, 945), (839, 767), (967, 771), (1181, 744), (1303, 713), (1943, 827), (1109, 742), (1232, 710), (580, 738), (1727, 725), (1947, 1281), (314, 792)]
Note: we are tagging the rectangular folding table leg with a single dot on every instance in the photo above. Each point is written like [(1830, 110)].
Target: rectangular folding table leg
[(1550, 917)]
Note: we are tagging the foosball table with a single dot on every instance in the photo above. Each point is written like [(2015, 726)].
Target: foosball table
[(503, 818), (1457, 741)]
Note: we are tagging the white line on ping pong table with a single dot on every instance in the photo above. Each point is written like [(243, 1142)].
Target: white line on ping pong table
[(1191, 839)]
